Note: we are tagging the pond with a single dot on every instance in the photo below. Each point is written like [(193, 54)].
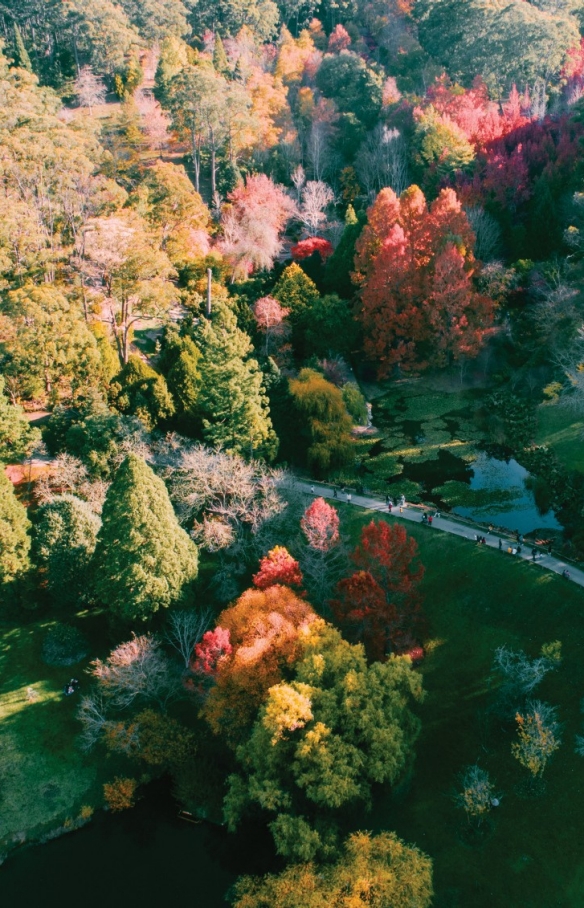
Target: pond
[(145, 856), (521, 512)]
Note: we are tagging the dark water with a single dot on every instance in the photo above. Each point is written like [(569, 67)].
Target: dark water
[(143, 857)]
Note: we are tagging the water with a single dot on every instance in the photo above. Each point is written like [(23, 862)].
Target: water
[(521, 513), (143, 857)]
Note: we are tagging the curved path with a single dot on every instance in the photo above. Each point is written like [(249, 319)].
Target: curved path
[(447, 525)]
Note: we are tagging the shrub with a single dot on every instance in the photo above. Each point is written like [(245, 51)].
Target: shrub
[(120, 794)]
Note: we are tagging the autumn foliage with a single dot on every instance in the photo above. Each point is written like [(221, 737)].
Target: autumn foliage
[(120, 794), (305, 248), (380, 603), (320, 525), (415, 266), (208, 654), (278, 567), (264, 627)]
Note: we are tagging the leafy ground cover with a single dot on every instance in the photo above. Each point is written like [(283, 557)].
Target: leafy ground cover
[(529, 854), (560, 429), (46, 781)]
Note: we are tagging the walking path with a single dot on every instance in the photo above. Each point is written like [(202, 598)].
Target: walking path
[(447, 525)]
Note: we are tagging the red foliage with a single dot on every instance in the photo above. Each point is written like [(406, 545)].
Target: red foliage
[(308, 247), (339, 40), (278, 567), (381, 600), (415, 265), (320, 525), (209, 653)]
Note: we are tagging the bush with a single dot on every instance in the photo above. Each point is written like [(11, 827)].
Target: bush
[(64, 645), (120, 794), (355, 403)]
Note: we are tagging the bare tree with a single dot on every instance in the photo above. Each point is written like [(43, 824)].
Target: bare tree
[(89, 88), (92, 714), (477, 795), (382, 161), (487, 233), (184, 630), (135, 670), (298, 178), (520, 674), (318, 149), (155, 122), (316, 198)]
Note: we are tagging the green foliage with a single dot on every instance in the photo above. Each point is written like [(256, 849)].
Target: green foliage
[(21, 57), (296, 292), (326, 427), (355, 87), (327, 326), (14, 536), (511, 419), (227, 17), (179, 361), (232, 402), (384, 466), (140, 391), (373, 872), (459, 494), (65, 534), (144, 561), (323, 740), (341, 263), (442, 147), (355, 403), (64, 645), (17, 437)]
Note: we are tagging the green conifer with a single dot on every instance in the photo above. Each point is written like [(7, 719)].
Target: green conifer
[(14, 537), (21, 57), (144, 560), (220, 61)]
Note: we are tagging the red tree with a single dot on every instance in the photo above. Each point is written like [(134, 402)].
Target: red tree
[(269, 315), (209, 653), (308, 247), (415, 266), (339, 39), (382, 598), (278, 567), (320, 525)]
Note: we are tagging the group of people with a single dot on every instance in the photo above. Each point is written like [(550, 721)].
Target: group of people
[(70, 687)]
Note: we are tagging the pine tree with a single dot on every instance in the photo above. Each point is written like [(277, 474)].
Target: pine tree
[(297, 293), (21, 57), (232, 399), (220, 62), (144, 561), (14, 538), (64, 541), (17, 438)]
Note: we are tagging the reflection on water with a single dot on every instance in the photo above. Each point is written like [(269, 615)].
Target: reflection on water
[(521, 513)]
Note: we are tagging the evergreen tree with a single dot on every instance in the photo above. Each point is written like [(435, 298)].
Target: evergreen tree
[(140, 391), (232, 401), (63, 544), (220, 62), (17, 438), (144, 561), (296, 292), (21, 57), (14, 538)]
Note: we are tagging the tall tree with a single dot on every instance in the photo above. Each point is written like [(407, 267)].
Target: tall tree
[(415, 267), (17, 436), (316, 748), (144, 561), (138, 390), (14, 538), (327, 425), (232, 401)]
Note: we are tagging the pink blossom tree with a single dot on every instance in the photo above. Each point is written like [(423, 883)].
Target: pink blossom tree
[(269, 315), (320, 525)]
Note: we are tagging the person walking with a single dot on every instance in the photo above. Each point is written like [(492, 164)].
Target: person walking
[(349, 498), (312, 490), (335, 495), (533, 553), (549, 549), (500, 544), (389, 504)]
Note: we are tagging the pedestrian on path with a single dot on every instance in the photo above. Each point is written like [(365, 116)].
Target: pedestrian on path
[(549, 549), (533, 553), (349, 497), (335, 495), (389, 505), (312, 490), (430, 519), (500, 544)]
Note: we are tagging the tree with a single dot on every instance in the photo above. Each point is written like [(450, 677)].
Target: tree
[(232, 402), (299, 295), (278, 567), (373, 872), (316, 198), (252, 224), (331, 327), (320, 525), (140, 391), (17, 437), (185, 628), (65, 536), (538, 734), (354, 86), (415, 267), (179, 362), (477, 794), (258, 18), (305, 248), (14, 537), (46, 348), (176, 211), (315, 748), (21, 56), (327, 426), (135, 671), (381, 600), (520, 674), (124, 260), (120, 794), (213, 649), (269, 316), (264, 627), (89, 88), (144, 561)]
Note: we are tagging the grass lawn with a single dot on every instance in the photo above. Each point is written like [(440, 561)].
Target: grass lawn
[(45, 779), (560, 429), (531, 856)]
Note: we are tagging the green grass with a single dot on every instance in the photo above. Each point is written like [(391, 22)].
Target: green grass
[(560, 429), (45, 779), (477, 599)]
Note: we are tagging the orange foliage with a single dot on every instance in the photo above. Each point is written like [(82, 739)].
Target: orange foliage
[(120, 794), (278, 567), (264, 627)]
